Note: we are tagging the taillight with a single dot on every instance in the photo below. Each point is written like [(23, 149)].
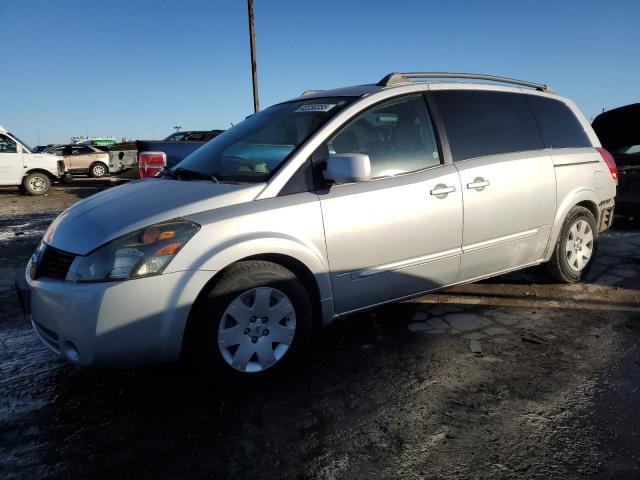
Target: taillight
[(611, 163), (150, 163)]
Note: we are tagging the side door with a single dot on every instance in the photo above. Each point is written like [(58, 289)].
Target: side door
[(81, 157), (11, 161), (508, 179), (399, 233)]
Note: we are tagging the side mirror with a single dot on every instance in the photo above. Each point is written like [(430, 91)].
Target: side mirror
[(348, 168), (19, 148)]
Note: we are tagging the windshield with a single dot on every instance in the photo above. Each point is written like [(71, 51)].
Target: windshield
[(254, 149), (21, 142)]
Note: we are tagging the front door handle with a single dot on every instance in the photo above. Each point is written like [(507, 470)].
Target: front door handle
[(441, 190), (478, 184)]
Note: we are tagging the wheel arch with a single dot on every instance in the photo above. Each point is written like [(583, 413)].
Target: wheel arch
[(582, 198), (591, 206), (51, 176), (298, 267)]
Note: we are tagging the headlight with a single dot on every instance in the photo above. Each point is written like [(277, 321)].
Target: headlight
[(142, 253)]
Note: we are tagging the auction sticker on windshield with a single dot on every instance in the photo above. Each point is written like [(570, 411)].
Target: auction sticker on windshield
[(315, 107)]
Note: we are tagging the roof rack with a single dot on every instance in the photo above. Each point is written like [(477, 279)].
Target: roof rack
[(396, 78)]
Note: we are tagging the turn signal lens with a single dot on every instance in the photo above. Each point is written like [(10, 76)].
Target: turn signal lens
[(168, 249), (167, 235)]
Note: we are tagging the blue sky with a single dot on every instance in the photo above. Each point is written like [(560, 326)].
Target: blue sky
[(137, 68)]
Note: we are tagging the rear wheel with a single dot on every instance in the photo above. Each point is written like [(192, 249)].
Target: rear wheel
[(254, 321), (36, 183), (576, 246), (98, 170)]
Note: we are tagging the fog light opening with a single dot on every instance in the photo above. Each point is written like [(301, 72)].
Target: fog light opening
[(70, 351)]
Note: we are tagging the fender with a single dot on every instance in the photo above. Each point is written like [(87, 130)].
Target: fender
[(234, 250), (218, 256), (222, 255), (573, 198), (51, 176)]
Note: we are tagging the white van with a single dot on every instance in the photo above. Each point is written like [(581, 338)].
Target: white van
[(32, 172)]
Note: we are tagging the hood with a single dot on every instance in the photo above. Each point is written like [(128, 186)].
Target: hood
[(109, 214), (619, 127)]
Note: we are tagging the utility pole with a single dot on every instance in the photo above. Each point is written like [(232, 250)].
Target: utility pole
[(254, 68), (177, 128)]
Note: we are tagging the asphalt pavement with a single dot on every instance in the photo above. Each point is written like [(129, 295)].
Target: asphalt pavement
[(514, 377)]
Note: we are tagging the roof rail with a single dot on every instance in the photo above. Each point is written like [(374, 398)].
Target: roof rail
[(310, 92), (395, 78)]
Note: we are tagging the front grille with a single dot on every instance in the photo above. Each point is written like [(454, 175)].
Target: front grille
[(54, 263)]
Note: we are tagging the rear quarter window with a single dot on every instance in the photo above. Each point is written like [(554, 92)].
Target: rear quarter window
[(558, 125), (480, 123)]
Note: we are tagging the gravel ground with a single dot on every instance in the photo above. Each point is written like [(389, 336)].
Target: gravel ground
[(515, 377)]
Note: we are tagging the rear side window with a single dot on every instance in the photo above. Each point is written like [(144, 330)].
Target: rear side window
[(481, 123), (80, 150), (559, 126)]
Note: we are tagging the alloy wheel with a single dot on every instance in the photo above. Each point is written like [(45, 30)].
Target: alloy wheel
[(98, 170)]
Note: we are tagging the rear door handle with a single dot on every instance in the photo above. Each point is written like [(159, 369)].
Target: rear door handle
[(478, 184), (441, 190)]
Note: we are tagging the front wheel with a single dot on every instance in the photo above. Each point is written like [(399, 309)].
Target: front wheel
[(576, 246), (36, 183), (254, 321)]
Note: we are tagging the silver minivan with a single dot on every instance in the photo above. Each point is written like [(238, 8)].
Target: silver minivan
[(318, 207)]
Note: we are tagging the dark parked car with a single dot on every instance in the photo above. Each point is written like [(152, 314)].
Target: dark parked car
[(619, 132), (193, 136), (145, 158)]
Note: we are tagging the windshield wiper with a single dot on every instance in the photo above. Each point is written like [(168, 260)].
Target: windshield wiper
[(180, 171), (166, 172)]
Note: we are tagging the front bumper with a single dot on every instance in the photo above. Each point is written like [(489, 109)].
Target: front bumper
[(113, 324)]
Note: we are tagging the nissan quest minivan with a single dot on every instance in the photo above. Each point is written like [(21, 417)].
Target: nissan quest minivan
[(318, 207)]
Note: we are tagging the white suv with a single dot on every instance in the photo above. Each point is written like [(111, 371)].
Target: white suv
[(32, 172)]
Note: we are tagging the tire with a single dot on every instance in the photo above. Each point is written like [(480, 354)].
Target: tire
[(231, 335), (98, 170), (576, 247), (36, 183)]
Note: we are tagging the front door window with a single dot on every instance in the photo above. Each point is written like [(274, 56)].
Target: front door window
[(397, 136)]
